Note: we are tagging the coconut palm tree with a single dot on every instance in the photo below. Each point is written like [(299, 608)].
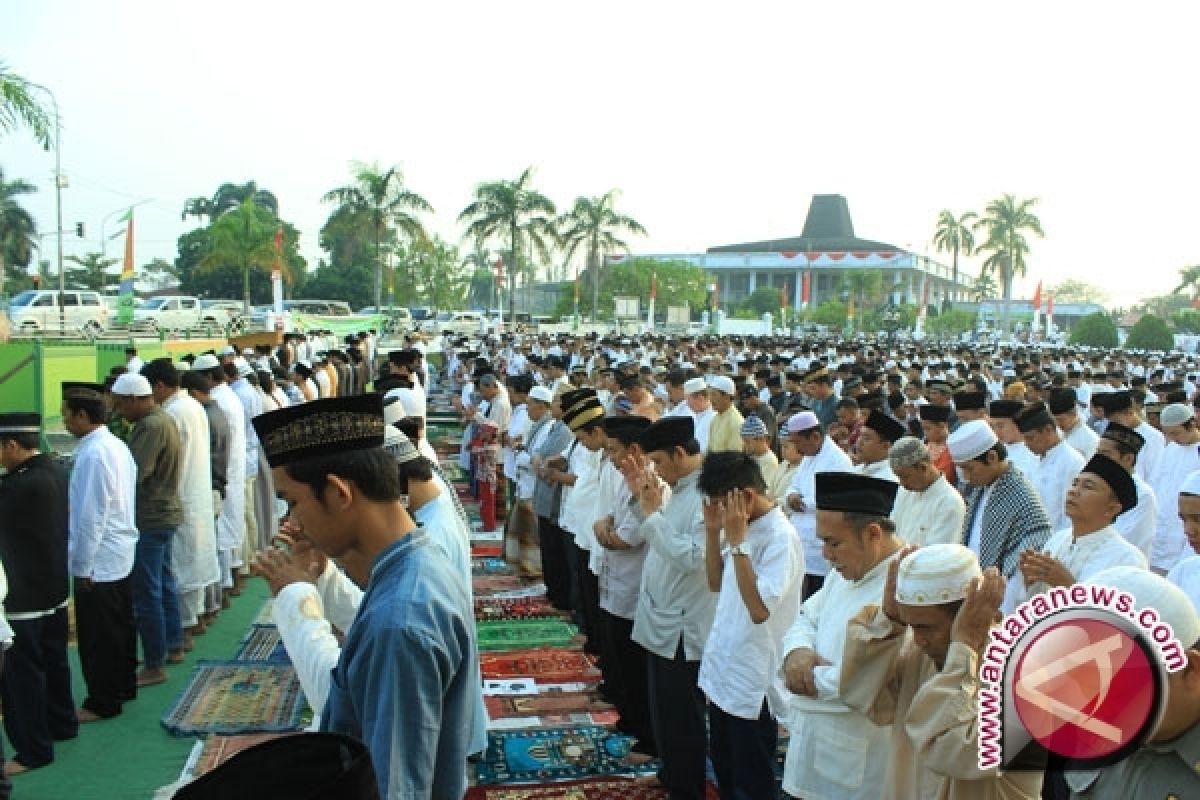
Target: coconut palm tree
[(383, 205), (1006, 220), (231, 195), (512, 214), (19, 108), (91, 270), (954, 235), (593, 224), (1189, 278), (244, 238), (17, 228)]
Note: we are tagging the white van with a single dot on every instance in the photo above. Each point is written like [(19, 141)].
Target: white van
[(38, 309)]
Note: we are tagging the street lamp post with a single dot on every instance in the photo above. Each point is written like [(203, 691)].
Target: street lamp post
[(60, 183)]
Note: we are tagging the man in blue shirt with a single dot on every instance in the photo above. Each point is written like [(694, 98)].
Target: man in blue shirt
[(409, 670)]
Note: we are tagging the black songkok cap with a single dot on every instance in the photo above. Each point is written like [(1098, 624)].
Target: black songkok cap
[(625, 430), (73, 390), (668, 433), (1033, 418), (970, 401), (305, 766), (627, 380), (849, 491), (21, 422), (888, 429), (931, 413), (1120, 434), (1117, 478), (1004, 409), (321, 427), (1062, 400)]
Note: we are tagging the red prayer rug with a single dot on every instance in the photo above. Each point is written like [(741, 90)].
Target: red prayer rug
[(590, 789), (547, 664), (536, 705)]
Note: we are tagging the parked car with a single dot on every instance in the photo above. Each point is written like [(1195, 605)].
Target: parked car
[(182, 312), (464, 322), (39, 309)]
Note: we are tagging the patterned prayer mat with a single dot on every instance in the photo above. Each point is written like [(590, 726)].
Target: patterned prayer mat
[(263, 643), (487, 550), (497, 608), (559, 753), (264, 613), (489, 584), (519, 634), (499, 707), (237, 697), (219, 749), (549, 665), (588, 789), (491, 566)]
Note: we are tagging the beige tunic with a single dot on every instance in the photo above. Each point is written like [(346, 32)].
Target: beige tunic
[(935, 735)]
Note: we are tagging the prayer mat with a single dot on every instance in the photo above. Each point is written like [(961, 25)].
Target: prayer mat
[(519, 634), (488, 584), (219, 749), (263, 643), (491, 566), (607, 719), (559, 753), (587, 789), (486, 551), (237, 697), (535, 705), (497, 608), (549, 665)]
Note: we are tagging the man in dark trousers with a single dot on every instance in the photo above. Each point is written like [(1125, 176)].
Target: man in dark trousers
[(35, 687)]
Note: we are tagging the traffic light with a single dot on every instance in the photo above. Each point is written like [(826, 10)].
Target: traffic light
[(79, 229)]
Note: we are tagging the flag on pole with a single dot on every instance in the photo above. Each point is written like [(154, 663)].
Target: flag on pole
[(653, 286), (125, 294), (1049, 314), (1037, 308), (806, 288), (277, 279), (783, 296)]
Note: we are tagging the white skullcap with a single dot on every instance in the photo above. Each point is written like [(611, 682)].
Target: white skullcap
[(183, 366), (971, 440), (694, 385), (206, 361), (229, 350), (1191, 484), (542, 393), (243, 367), (1176, 414), (804, 421), (1174, 607), (399, 446), (131, 384), (723, 383), (936, 574)]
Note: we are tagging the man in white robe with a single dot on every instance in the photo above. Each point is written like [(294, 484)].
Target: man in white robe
[(1063, 404), (875, 439), (1180, 458), (231, 521), (194, 545), (836, 753), (1118, 407), (1122, 445), (1058, 462), (928, 510), (1186, 573), (821, 454)]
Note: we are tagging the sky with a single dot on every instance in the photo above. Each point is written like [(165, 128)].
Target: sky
[(716, 123)]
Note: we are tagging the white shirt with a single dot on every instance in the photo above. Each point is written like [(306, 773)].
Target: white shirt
[(518, 427), (1137, 524), (740, 666), (835, 753), (619, 572), (880, 469), (934, 516), (704, 421), (1186, 575), (194, 545), (1170, 543), (830, 458), (1083, 557), (1083, 439), (526, 479), (1152, 450), (103, 533), (1023, 458), (1053, 476), (231, 521), (251, 400)]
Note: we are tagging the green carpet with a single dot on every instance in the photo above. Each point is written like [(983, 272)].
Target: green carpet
[(130, 756)]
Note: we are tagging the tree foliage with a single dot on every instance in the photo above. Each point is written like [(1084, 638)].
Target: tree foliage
[(679, 283), (19, 108), (950, 323), (91, 271), (593, 224), (763, 300), (1094, 330), (831, 312), (1077, 291), (349, 282), (1150, 333), (1006, 221), (954, 235), (17, 231), (435, 275), (1186, 321)]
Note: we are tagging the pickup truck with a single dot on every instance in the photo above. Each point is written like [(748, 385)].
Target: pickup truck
[(179, 312)]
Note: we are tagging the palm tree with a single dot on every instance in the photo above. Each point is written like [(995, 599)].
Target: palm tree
[(1189, 278), (954, 235), (513, 214), (19, 108), (198, 207), (482, 286), (1006, 221), (382, 203), (243, 238), (17, 228), (92, 270), (594, 224), (228, 197), (985, 287)]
